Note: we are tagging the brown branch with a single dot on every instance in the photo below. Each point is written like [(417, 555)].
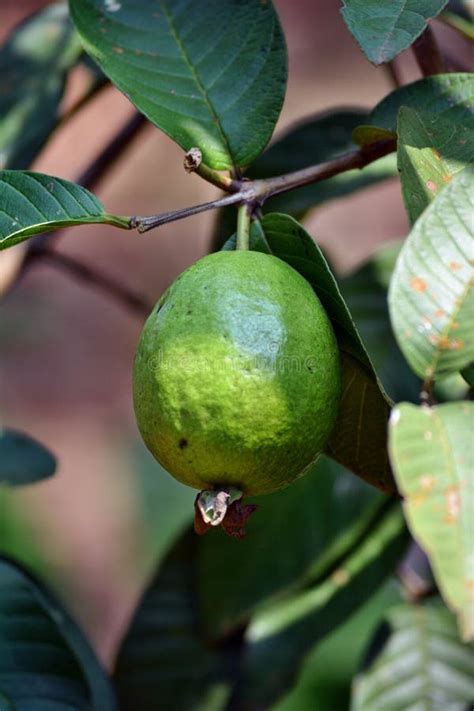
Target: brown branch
[(255, 192), (85, 274), (393, 72), (260, 190), (428, 54)]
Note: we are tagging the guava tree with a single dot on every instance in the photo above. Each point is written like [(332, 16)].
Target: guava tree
[(354, 584)]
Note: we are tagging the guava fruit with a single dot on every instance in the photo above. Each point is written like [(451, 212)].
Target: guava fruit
[(237, 375)]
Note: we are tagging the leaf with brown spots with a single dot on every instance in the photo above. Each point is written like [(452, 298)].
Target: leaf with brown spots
[(430, 152), (431, 295), (433, 460)]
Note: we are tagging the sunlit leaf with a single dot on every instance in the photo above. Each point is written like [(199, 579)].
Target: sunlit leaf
[(421, 665), (430, 152), (431, 295), (433, 460)]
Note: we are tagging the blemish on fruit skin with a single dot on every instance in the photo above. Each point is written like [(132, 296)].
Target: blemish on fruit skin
[(447, 178), (436, 154), (439, 313), (431, 186), (455, 266), (183, 443), (428, 435), (418, 284)]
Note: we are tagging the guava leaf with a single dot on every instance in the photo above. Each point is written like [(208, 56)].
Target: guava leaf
[(316, 139), (366, 295), (326, 512), (421, 665), (22, 459), (449, 97), (211, 75), (430, 152), (18, 537), (359, 438), (433, 460), (31, 203), (34, 63), (468, 374), (45, 662), (384, 28), (324, 682), (431, 295), (164, 656), (283, 631)]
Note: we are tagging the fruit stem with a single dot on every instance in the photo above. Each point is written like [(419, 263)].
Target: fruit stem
[(243, 227)]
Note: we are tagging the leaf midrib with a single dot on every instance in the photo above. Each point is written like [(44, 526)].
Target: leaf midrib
[(196, 78)]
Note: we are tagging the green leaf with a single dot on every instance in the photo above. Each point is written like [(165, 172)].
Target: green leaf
[(422, 664), (384, 28), (365, 292), (433, 459), (211, 75), (31, 203), (449, 97), (431, 297), (430, 152), (164, 657), (18, 536), (34, 63), (45, 662), (326, 512), (281, 634), (22, 459), (468, 374), (324, 683), (316, 139), (359, 437)]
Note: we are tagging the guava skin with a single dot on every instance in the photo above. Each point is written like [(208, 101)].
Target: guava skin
[(237, 375)]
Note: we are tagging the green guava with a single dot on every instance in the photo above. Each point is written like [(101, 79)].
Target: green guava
[(237, 375)]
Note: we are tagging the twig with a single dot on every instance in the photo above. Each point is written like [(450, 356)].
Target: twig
[(393, 72), (144, 224), (254, 193), (261, 190), (85, 274), (243, 227), (193, 164), (428, 54)]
